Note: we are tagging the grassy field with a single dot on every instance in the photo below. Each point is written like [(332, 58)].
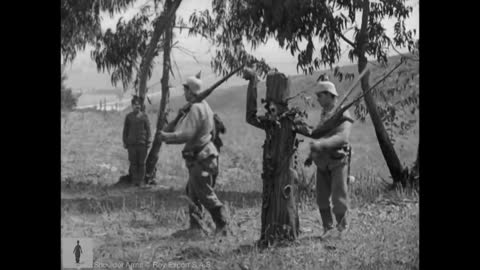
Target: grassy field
[(131, 225)]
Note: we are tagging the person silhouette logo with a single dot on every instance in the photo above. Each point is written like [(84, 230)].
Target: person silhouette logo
[(77, 251)]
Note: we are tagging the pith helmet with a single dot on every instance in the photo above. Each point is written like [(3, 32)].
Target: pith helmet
[(194, 83), (327, 87)]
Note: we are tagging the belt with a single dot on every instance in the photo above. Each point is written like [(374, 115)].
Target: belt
[(192, 154)]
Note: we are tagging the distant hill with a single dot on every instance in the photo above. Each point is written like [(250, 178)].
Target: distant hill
[(233, 99)]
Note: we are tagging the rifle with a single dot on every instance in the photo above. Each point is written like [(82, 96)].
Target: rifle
[(338, 117), (201, 96)]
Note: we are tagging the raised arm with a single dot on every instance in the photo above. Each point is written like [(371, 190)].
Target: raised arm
[(251, 112)]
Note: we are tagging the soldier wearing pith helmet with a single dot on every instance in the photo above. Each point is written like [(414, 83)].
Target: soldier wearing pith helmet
[(201, 157), (330, 155)]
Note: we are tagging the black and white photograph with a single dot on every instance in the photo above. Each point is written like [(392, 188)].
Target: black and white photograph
[(240, 134)]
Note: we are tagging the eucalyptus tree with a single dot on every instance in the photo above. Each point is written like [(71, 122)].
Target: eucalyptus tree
[(322, 25)]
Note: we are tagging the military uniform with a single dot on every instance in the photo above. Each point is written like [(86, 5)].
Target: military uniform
[(195, 129), (331, 164), (136, 137)]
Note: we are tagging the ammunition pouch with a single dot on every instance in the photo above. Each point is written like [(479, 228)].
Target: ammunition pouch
[(200, 153)]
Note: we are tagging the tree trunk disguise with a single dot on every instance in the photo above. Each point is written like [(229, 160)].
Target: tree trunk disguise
[(279, 218)]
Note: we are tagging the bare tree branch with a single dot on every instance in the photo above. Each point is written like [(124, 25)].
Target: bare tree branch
[(345, 39), (337, 31), (159, 28)]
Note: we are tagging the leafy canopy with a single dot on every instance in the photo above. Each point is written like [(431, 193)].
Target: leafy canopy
[(321, 23), (80, 23)]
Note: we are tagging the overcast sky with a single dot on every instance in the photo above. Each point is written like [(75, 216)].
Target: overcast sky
[(82, 73)]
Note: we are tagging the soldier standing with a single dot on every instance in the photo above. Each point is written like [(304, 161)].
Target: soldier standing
[(201, 157), (330, 154), (136, 139)]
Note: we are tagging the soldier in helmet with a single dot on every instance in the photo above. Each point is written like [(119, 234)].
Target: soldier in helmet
[(330, 155), (201, 156), (330, 151)]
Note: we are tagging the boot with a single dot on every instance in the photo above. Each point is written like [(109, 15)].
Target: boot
[(327, 222), (196, 217), (341, 224), (220, 218)]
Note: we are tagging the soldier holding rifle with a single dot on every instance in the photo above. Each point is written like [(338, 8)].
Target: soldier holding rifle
[(330, 152), (195, 129)]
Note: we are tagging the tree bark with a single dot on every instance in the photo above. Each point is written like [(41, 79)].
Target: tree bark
[(152, 157), (279, 217), (393, 162), (163, 23)]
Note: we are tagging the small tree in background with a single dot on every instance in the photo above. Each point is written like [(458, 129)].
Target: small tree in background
[(68, 98)]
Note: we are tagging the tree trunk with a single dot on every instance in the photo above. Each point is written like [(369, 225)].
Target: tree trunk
[(279, 217), (393, 162), (163, 22), (416, 166), (162, 117)]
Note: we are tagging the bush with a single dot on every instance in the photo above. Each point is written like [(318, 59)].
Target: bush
[(68, 99)]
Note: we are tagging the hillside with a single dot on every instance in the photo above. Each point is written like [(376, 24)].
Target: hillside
[(233, 98), (145, 226)]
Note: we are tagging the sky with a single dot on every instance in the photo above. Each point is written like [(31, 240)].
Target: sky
[(82, 73)]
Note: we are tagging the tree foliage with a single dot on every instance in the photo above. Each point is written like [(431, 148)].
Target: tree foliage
[(80, 23), (290, 22), (233, 25), (121, 52), (322, 25), (398, 99)]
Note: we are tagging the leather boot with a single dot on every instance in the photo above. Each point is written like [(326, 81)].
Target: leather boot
[(341, 221), (196, 217), (220, 218), (327, 222), (341, 224)]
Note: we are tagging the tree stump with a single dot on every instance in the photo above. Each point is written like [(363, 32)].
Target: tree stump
[(279, 218)]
